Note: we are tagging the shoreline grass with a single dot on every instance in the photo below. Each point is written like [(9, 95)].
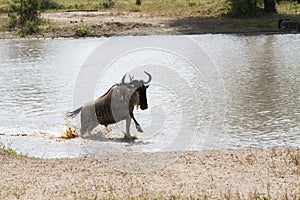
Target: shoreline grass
[(11, 152)]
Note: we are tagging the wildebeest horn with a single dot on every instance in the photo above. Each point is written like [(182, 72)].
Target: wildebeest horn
[(150, 78), (131, 77), (123, 79)]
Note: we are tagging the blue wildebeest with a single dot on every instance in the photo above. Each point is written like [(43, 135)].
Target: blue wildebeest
[(288, 24), (115, 105)]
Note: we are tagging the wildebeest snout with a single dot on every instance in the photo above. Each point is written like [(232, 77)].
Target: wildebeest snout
[(144, 107)]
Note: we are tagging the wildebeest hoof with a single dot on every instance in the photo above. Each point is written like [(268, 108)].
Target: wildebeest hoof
[(139, 129), (129, 138)]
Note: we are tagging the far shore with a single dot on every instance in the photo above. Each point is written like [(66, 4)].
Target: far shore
[(272, 173), (107, 24)]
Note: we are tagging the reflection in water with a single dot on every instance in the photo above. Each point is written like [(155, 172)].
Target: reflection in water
[(38, 77), (261, 77), (262, 87), (256, 98), (22, 83), (270, 109), (262, 101)]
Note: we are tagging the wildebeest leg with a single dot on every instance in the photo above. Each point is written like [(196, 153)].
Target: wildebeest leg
[(87, 126), (127, 134), (88, 120), (137, 125)]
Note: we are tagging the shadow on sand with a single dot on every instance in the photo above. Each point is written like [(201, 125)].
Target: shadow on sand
[(101, 138)]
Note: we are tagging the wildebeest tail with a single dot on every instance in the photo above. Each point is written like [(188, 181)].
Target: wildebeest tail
[(74, 113)]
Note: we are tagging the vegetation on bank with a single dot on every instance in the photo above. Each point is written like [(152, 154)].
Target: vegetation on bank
[(163, 7), (24, 15), (11, 152)]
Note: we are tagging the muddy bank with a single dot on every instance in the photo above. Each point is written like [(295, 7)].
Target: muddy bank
[(99, 24), (252, 173)]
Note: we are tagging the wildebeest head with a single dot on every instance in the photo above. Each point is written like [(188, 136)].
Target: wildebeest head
[(139, 96)]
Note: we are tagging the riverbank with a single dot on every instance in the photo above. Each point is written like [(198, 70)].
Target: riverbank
[(232, 174), (106, 24)]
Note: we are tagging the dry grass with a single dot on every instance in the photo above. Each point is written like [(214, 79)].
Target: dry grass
[(228, 174), (177, 8), (3, 22), (295, 159), (290, 8), (155, 7), (168, 8), (187, 16)]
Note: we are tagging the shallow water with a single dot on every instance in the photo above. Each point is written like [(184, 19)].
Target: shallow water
[(208, 91)]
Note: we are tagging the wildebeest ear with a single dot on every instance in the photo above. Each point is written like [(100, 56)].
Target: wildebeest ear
[(147, 86)]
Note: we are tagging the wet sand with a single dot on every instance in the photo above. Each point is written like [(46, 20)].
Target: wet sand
[(272, 173)]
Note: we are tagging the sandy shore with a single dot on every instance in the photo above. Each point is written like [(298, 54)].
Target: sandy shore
[(140, 23), (246, 174)]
